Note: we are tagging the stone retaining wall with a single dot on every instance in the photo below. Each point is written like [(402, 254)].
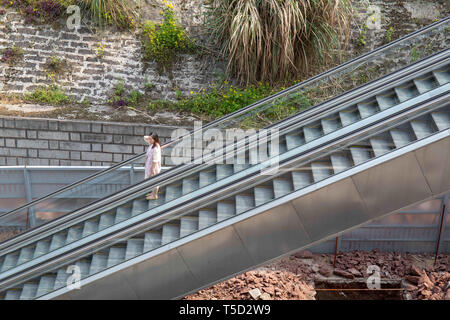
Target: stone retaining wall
[(27, 141), (93, 78)]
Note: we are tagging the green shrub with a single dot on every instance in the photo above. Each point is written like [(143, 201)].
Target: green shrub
[(51, 95), (162, 43), (55, 66), (218, 102), (389, 33), (121, 98)]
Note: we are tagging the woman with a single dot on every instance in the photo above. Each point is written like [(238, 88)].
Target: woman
[(152, 161)]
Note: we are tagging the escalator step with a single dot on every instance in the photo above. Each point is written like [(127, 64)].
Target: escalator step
[(406, 92), (26, 254), (223, 171), (379, 146), (116, 256), (367, 109), (42, 248), (206, 218), (122, 213), (135, 247), (441, 119), (170, 232), (152, 240), (225, 210), (10, 261), (189, 185), (244, 202), (46, 285), (13, 294), (99, 262), (340, 162), (312, 132), (330, 125), (207, 177), (61, 279), (294, 140), (74, 234), (263, 194), (321, 170), (173, 192), (28, 291), (400, 137), (188, 225), (106, 220), (301, 179), (90, 227), (425, 84), (387, 100), (348, 117), (58, 240), (359, 154), (282, 187), (421, 129), (139, 206), (442, 76)]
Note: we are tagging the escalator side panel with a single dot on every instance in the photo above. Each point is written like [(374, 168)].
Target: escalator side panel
[(434, 160)]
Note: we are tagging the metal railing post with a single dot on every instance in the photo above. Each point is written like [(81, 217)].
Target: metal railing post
[(31, 216), (444, 209)]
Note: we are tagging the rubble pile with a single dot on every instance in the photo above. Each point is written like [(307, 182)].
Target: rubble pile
[(259, 285), (293, 277), (426, 285)]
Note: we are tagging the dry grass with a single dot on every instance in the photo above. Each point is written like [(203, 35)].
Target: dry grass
[(122, 13), (277, 40)]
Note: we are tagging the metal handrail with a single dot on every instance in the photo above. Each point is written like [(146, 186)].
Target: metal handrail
[(237, 113)]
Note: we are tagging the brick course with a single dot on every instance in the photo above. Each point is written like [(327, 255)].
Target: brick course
[(70, 142)]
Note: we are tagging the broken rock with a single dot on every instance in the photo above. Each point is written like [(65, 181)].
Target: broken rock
[(265, 296), (255, 293), (344, 274), (304, 254), (355, 272)]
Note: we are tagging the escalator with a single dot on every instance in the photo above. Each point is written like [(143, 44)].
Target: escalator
[(359, 156)]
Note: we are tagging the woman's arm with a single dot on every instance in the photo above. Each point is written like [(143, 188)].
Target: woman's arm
[(154, 165), (156, 159)]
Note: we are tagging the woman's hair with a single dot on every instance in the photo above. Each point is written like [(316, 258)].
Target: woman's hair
[(155, 139)]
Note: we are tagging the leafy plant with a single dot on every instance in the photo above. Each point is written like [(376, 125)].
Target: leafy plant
[(149, 85), (162, 43), (121, 98), (389, 33), (414, 54), (219, 101), (55, 66), (51, 94), (12, 55), (100, 51), (362, 36), (276, 40), (40, 11)]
